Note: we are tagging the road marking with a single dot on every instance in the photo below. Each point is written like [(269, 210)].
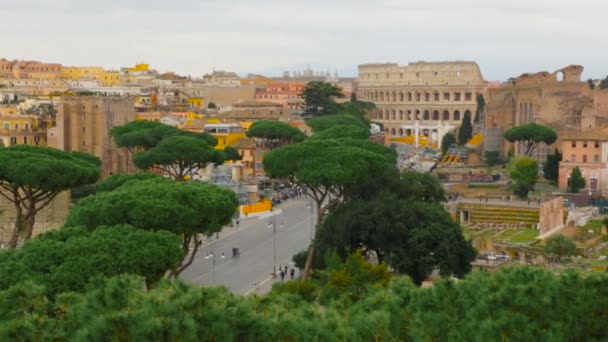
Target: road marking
[(258, 285)]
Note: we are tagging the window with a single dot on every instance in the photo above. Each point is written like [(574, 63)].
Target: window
[(83, 129), (436, 95), (585, 144), (417, 96), (13, 140), (596, 158), (574, 144), (446, 96), (584, 158), (259, 152), (427, 97), (573, 158), (25, 140), (467, 96), (597, 144)]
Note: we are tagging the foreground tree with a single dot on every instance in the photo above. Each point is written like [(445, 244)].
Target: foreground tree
[(327, 169), (186, 209), (179, 156), (325, 122), (274, 133), (319, 98), (465, 132), (559, 246), (531, 135), (524, 171), (69, 259), (551, 166), (576, 181), (31, 177)]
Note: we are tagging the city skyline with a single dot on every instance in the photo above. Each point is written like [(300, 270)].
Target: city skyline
[(268, 37)]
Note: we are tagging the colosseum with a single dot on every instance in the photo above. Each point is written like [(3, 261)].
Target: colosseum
[(423, 98)]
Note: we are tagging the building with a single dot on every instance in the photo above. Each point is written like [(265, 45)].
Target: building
[(252, 157), (559, 100), (422, 98), (226, 134), (17, 129), (84, 123), (287, 94), (254, 111), (589, 151), (29, 69), (97, 73), (220, 77)]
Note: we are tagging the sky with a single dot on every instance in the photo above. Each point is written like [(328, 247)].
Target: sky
[(193, 37)]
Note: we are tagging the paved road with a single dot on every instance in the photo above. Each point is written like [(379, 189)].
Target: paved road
[(255, 240)]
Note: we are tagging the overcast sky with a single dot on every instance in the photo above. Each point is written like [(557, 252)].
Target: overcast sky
[(506, 38)]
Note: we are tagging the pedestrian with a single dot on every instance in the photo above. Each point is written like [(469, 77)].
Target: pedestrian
[(292, 273), (237, 223), (285, 269), (282, 275)]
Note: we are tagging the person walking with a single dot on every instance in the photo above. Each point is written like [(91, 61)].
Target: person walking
[(292, 273), (282, 275)]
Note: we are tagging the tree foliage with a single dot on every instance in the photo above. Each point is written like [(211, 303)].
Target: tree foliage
[(576, 181), (530, 135), (179, 156), (447, 141), (274, 133), (69, 259), (319, 98), (143, 135), (325, 122), (31, 177), (524, 171), (328, 168), (342, 132), (355, 303), (465, 132), (604, 83), (186, 209), (481, 107), (551, 166), (231, 153), (403, 223), (560, 246)]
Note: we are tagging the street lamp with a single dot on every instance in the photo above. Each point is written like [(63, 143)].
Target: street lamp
[(212, 256), (309, 206), (272, 223)]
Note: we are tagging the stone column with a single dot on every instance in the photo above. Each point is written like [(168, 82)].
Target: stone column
[(417, 134)]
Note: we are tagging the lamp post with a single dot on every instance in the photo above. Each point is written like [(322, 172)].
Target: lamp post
[(309, 206), (272, 223), (213, 257)]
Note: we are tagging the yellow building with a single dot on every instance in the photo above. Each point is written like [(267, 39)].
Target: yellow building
[(196, 102), (140, 67), (21, 130), (107, 78), (226, 134)]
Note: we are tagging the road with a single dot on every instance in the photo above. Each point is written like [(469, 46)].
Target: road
[(255, 240)]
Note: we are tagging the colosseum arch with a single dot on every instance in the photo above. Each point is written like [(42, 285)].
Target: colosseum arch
[(436, 115), (401, 96), (408, 114), (409, 96), (417, 115), (400, 132), (393, 132), (400, 114), (393, 115), (446, 115), (394, 96), (456, 115), (426, 115)]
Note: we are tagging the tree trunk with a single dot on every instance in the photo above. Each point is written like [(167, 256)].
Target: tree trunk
[(185, 247), (311, 249), (19, 225)]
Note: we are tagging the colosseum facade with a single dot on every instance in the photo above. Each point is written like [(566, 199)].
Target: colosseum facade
[(423, 98)]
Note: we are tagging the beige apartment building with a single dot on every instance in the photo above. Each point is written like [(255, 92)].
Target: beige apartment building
[(84, 123), (422, 98), (587, 150)]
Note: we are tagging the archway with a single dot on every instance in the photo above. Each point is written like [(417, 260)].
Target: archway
[(426, 115), (446, 115), (436, 115), (456, 115)]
